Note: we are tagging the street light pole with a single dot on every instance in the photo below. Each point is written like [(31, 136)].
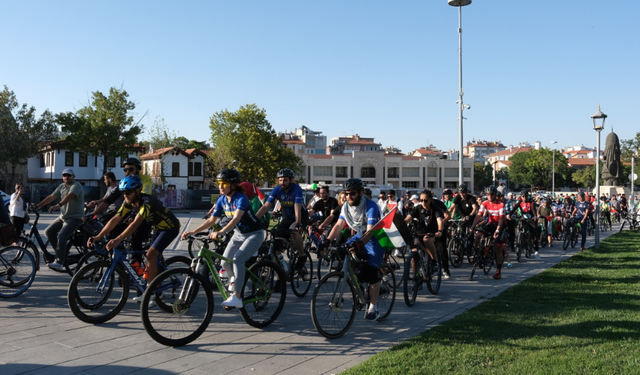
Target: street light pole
[(553, 176), (460, 4), (598, 129)]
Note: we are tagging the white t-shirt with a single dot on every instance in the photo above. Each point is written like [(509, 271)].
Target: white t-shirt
[(16, 207)]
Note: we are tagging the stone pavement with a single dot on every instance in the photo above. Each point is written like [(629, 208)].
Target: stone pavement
[(40, 335)]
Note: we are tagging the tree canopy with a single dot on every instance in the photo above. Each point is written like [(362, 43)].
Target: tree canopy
[(104, 127), (246, 136), (534, 168), (22, 133)]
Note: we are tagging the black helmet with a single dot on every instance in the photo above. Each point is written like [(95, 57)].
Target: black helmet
[(490, 190), (285, 172), (500, 195), (462, 188), (353, 184), (524, 193), (447, 192), (230, 175), (133, 161)]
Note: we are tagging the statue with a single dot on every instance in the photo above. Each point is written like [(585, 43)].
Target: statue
[(612, 165)]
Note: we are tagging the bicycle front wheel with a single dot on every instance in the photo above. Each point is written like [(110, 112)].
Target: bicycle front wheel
[(574, 237), (17, 271), (90, 257), (387, 296), (190, 298), (455, 255), (195, 244), (412, 278), (333, 306), (434, 269), (264, 293), (301, 278), (94, 296)]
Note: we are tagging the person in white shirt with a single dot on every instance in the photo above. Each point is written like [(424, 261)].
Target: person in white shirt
[(16, 208)]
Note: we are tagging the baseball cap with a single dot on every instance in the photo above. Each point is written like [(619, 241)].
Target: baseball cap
[(68, 171), (413, 197)]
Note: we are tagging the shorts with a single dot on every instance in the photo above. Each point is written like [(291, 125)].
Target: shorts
[(490, 228), (369, 274), (285, 223), (161, 239)]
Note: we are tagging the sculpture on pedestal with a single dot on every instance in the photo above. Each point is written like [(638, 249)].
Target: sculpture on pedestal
[(612, 165)]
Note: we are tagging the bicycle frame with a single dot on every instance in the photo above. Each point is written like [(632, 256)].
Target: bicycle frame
[(348, 273), (119, 256)]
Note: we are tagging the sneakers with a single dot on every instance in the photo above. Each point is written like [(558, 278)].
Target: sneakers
[(372, 314), (581, 247), (233, 301), (397, 253), (509, 265), (497, 276), (446, 274), (56, 266), (550, 245), (537, 256)]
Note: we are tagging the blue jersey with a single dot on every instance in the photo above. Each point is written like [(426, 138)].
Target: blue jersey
[(581, 209), (375, 252), (248, 222), (287, 199)]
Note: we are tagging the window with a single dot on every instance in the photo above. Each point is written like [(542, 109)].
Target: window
[(393, 172), (172, 187), (467, 172), (190, 169), (432, 172), (197, 169), (451, 172), (42, 162), (323, 171), (431, 184), (410, 184), (450, 185), (341, 171), (123, 159), (111, 162), (411, 172), (310, 143), (368, 172), (68, 159), (175, 170), (83, 159)]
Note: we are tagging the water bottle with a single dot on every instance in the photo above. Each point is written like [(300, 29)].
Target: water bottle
[(136, 267), (283, 263), (222, 273)]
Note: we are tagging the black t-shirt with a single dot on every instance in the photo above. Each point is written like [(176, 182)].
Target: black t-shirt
[(326, 207), (427, 218), (465, 206)]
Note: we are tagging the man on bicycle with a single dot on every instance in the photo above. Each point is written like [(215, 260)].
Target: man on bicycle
[(464, 204), (429, 224), (528, 213), (71, 208), (294, 214), (324, 206), (165, 224), (493, 209), (362, 214), (580, 214)]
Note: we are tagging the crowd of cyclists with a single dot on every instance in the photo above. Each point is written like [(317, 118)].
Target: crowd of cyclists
[(512, 221)]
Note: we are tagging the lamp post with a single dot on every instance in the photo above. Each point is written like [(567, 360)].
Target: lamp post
[(553, 174), (460, 4), (598, 128)]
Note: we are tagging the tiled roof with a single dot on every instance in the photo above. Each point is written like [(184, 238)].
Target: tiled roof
[(510, 151)]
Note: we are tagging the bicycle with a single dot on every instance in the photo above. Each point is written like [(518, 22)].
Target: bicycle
[(420, 268), (339, 294), (570, 236), (17, 271), (524, 242), (485, 254), (300, 280), (458, 242), (630, 221), (100, 289), (604, 221), (188, 304)]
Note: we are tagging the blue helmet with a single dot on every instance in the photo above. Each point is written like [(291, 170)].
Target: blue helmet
[(130, 183)]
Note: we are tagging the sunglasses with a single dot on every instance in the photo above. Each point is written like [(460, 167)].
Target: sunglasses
[(424, 200), (128, 191), (130, 169), (223, 184), (350, 193), (66, 175)]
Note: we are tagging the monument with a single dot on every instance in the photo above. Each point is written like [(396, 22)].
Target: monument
[(612, 170)]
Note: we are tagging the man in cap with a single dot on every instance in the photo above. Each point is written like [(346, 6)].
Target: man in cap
[(71, 208)]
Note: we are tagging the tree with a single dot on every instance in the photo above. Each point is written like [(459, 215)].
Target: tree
[(482, 175), (535, 168), (160, 136), (247, 136), (629, 148), (22, 134), (585, 177), (104, 127)]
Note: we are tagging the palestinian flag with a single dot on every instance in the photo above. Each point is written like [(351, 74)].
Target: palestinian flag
[(391, 232), (259, 194)]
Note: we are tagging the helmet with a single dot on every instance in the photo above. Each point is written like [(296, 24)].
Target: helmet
[(490, 190), (447, 192), (462, 188), (285, 172), (581, 194), (427, 192), (133, 161), (230, 175), (524, 193), (500, 195), (130, 183), (353, 184)]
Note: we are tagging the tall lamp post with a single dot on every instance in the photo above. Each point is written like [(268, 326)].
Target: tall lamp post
[(598, 128), (460, 4), (553, 174)]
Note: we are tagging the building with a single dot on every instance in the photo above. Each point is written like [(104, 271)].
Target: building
[(499, 160), (304, 141), (353, 143), (477, 150), (173, 168)]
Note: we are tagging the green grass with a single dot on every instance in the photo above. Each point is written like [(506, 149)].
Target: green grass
[(580, 317)]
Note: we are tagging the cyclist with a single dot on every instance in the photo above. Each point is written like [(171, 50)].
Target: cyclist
[(361, 214), (246, 239), (510, 222), (294, 214), (149, 209), (580, 213), (605, 210), (493, 210), (429, 226), (528, 212), (465, 205), (323, 206), (71, 208), (545, 218)]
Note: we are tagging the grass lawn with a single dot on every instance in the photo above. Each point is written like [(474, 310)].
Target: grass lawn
[(580, 317)]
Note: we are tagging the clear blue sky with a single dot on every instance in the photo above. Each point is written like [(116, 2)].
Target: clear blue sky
[(533, 70)]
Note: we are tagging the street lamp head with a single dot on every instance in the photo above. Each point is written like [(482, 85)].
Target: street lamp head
[(458, 3), (596, 116)]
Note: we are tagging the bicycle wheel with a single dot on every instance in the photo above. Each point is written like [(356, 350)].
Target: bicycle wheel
[(622, 226), (455, 255), (301, 279), (574, 237), (412, 279), (195, 244), (75, 251), (90, 257), (476, 264), (434, 276), (327, 263), (397, 265), (333, 306), (520, 245), (262, 294), (191, 302), (95, 297), (567, 239), (17, 271), (488, 261), (30, 247), (387, 296)]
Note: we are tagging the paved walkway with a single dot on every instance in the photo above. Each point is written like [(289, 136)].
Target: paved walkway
[(40, 335)]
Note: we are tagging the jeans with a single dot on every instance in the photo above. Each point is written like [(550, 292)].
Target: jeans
[(59, 233), (241, 247)]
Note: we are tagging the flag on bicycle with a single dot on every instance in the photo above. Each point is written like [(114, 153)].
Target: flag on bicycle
[(391, 231)]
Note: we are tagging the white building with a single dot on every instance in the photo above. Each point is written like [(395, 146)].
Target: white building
[(173, 168)]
